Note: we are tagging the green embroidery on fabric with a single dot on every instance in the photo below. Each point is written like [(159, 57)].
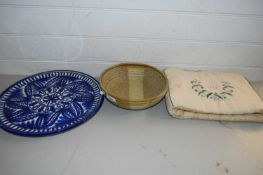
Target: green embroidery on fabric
[(225, 90)]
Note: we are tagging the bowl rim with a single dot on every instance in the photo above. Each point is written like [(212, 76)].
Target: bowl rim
[(163, 92)]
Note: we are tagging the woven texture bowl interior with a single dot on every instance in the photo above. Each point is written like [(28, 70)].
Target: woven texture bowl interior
[(133, 85)]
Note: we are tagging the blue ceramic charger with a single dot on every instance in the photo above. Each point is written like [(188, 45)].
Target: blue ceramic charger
[(49, 103)]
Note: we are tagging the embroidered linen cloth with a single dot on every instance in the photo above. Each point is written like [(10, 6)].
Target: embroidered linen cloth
[(211, 95)]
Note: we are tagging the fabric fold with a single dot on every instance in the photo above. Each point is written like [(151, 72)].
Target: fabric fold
[(212, 95)]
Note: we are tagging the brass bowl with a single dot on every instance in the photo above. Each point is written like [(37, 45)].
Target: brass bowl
[(133, 85)]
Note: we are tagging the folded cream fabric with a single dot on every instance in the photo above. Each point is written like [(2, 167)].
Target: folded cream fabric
[(212, 95)]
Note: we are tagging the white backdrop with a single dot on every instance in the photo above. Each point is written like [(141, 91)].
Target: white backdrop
[(89, 35)]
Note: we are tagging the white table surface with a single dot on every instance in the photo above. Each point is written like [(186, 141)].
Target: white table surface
[(148, 142)]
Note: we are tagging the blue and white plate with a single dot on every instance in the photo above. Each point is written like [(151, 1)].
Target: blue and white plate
[(49, 103)]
